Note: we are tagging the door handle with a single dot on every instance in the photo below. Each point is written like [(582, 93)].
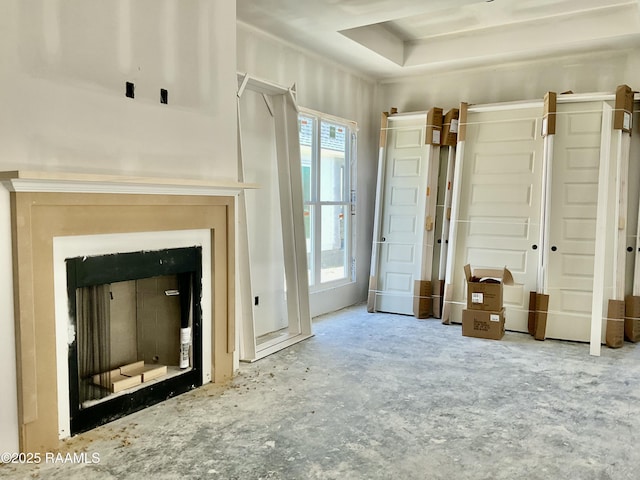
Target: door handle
[(384, 239), (554, 248), (534, 247)]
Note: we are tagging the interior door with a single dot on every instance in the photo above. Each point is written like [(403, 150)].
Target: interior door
[(572, 224), (499, 205), (403, 213)]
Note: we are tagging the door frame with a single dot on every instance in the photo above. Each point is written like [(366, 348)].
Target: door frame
[(424, 248), (281, 104)]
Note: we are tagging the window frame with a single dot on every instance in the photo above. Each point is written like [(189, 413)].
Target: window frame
[(315, 203)]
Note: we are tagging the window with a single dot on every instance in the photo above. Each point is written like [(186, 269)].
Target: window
[(327, 148)]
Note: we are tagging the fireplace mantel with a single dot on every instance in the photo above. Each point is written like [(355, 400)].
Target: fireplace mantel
[(42, 181), (46, 206)]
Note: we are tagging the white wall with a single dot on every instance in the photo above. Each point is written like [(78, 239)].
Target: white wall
[(63, 73), (63, 68), (9, 399), (597, 72), (332, 89)]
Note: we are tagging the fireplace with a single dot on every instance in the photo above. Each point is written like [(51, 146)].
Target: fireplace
[(137, 331), (55, 217)]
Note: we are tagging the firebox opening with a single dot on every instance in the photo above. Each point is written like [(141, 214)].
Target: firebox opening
[(136, 318)]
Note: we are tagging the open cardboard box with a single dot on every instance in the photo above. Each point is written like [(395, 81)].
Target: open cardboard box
[(485, 287)]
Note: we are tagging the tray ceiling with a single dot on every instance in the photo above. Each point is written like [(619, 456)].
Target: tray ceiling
[(390, 38)]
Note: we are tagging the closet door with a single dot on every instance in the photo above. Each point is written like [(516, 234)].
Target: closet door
[(499, 205), (403, 214), (572, 225)]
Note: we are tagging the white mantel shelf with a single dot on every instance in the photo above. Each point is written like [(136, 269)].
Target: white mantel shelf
[(39, 181)]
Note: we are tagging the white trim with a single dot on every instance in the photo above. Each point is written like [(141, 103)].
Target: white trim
[(496, 107), (623, 150), (446, 220), (585, 97), (598, 306), (408, 116), (377, 216), (326, 116), (545, 214), (453, 232), (455, 206), (60, 182), (258, 85)]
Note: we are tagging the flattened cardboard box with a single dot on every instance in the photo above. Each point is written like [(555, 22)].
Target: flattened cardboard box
[(538, 307), (623, 113), (450, 128), (483, 324), (438, 297), (434, 126), (632, 318), (485, 287), (422, 298), (614, 335)]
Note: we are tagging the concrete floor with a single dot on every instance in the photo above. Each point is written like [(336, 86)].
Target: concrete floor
[(375, 396)]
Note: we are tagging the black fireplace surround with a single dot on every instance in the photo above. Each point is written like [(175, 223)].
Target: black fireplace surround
[(186, 264)]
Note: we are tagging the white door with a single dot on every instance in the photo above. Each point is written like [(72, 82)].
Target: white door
[(403, 214), (572, 224), (499, 205)]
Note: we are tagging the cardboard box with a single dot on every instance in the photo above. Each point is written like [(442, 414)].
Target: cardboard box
[(538, 308), (485, 287), (549, 114), (422, 298), (384, 123), (483, 324), (371, 297), (614, 336), (438, 297), (462, 122), (434, 126), (450, 128), (632, 318), (623, 114)]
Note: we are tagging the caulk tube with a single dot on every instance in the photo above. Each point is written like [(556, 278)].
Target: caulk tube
[(185, 344)]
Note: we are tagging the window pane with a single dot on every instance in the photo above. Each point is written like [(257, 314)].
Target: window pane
[(333, 144), (334, 253), (306, 129), (308, 233)]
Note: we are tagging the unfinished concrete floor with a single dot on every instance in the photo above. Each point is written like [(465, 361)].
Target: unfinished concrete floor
[(375, 396)]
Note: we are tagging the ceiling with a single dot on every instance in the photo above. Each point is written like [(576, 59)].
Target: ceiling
[(391, 38)]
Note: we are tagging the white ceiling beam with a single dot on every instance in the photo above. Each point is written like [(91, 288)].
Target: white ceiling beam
[(378, 39)]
